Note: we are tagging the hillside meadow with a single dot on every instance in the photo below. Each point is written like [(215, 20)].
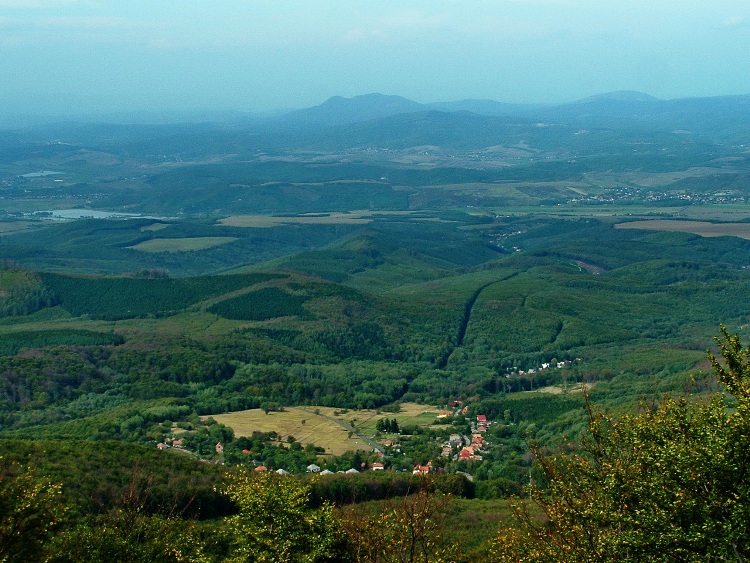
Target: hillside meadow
[(182, 244), (336, 431)]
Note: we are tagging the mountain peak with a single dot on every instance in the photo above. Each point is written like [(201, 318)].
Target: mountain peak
[(621, 96), (338, 110), (371, 98)]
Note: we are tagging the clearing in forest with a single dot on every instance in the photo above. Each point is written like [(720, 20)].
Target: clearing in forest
[(181, 244), (262, 221), (326, 427)]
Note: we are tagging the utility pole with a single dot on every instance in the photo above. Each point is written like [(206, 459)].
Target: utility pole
[(529, 483)]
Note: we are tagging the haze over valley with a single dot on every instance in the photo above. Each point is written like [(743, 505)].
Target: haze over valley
[(293, 281)]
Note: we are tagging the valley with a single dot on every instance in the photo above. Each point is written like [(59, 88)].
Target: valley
[(283, 289)]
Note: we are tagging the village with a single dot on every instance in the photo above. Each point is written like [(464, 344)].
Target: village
[(456, 438), (391, 449)]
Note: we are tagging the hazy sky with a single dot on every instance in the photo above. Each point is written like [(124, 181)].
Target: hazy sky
[(60, 56)]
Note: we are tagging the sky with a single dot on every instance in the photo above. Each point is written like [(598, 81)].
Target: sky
[(94, 56)]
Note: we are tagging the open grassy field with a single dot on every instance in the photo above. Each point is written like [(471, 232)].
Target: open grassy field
[(702, 228), (410, 414), (15, 226), (155, 227), (646, 179), (198, 324), (305, 426), (263, 221), (359, 217), (326, 427), (181, 244), (724, 212)]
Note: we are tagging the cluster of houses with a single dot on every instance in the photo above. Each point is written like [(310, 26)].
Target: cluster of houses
[(458, 447), (169, 443), (394, 447), (544, 367), (314, 468), (468, 449)]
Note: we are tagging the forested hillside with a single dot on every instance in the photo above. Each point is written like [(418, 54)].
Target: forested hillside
[(435, 299), (660, 485)]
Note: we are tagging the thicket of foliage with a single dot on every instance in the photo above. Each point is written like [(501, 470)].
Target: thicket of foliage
[(21, 292), (668, 484), (269, 518), (30, 511), (409, 530), (263, 304), (102, 475), (11, 343), (126, 298), (276, 524), (385, 485), (458, 334), (127, 535)]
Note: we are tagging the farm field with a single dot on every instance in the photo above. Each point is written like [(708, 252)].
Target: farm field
[(182, 244), (702, 228), (264, 221), (304, 426), (325, 427), (16, 226)]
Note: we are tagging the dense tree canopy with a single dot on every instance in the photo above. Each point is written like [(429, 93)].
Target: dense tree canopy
[(275, 522), (29, 512), (668, 484)]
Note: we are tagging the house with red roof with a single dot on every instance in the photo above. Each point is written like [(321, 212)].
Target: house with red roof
[(422, 469)]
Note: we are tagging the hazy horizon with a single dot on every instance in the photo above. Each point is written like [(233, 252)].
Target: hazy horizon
[(84, 57)]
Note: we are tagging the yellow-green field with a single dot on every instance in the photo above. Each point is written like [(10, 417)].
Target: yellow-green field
[(155, 227), (704, 229), (14, 226), (181, 244), (410, 413), (264, 221), (320, 425), (560, 389), (306, 427)]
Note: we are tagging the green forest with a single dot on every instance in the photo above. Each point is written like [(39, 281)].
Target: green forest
[(99, 370), (664, 484), (431, 336)]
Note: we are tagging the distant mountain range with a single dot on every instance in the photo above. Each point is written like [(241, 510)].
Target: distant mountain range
[(612, 109), (381, 121), (343, 111)]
